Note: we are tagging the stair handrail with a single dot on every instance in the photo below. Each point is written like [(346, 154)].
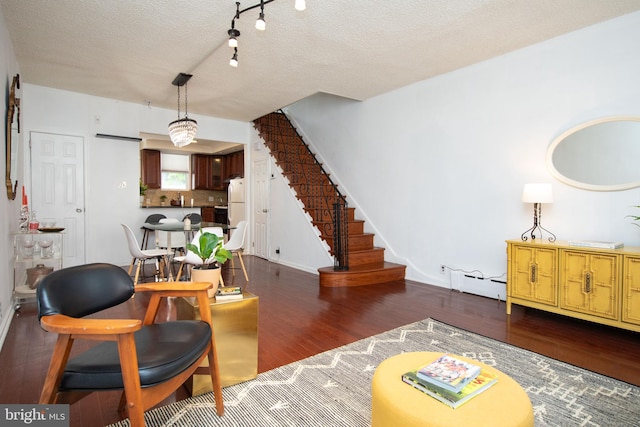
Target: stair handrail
[(338, 201)]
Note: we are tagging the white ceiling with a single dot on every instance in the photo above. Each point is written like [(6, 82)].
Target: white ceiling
[(132, 50)]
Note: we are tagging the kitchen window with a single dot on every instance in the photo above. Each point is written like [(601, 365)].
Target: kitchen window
[(174, 171)]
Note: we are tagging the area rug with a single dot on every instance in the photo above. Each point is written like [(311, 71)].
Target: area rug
[(334, 388)]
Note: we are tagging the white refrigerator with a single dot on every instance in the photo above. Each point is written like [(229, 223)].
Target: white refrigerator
[(235, 201)]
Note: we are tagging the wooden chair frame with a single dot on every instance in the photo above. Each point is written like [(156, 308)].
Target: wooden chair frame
[(136, 399)]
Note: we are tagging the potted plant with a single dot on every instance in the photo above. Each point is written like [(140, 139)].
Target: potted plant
[(163, 199), (143, 190), (213, 255)]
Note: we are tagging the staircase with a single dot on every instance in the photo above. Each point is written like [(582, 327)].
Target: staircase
[(358, 262)]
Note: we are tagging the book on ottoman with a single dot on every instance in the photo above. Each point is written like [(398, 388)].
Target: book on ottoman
[(480, 383), (449, 373)]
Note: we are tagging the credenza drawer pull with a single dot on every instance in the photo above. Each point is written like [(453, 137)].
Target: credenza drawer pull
[(534, 270)]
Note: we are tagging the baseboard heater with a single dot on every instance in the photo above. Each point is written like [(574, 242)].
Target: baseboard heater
[(489, 288)]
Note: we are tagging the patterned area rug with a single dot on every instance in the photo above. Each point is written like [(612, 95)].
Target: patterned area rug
[(334, 388)]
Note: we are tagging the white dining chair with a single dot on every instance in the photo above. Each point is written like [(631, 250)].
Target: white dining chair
[(236, 245), (190, 258), (141, 255)]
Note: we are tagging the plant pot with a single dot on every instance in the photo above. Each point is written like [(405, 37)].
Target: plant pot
[(211, 275)]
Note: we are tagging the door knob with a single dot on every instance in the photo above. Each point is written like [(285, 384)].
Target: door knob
[(79, 210), (264, 210)]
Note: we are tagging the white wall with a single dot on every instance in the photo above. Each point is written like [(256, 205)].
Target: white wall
[(109, 162), (437, 168), (10, 208)]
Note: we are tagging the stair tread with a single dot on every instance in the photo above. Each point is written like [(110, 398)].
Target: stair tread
[(358, 269)]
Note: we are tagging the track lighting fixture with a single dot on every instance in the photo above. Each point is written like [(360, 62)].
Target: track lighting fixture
[(260, 24)]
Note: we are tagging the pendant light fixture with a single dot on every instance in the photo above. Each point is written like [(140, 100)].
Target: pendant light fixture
[(260, 24), (183, 130)]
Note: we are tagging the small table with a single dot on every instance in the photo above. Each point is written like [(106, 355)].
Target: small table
[(235, 326), (395, 403), (179, 226)]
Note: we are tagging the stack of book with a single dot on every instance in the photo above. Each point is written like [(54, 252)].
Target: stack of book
[(228, 293), (450, 380)]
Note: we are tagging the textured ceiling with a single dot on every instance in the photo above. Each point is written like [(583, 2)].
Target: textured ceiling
[(132, 50)]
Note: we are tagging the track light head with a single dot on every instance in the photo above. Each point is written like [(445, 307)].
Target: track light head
[(260, 24), (234, 59), (233, 37)]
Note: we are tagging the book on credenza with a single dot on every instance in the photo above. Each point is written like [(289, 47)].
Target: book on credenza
[(482, 382), (596, 244), (449, 372), (227, 293)]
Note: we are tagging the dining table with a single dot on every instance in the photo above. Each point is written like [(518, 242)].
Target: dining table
[(189, 231)]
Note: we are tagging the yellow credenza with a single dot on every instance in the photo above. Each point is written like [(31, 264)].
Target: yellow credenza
[(599, 285)]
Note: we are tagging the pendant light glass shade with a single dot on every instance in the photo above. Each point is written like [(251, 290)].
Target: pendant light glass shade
[(183, 131)]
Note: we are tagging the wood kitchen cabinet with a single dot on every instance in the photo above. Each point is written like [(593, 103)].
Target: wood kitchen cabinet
[(234, 165), (207, 172), (150, 168), (594, 284), (207, 214)]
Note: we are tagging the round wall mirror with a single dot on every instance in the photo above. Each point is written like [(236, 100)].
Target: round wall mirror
[(600, 155)]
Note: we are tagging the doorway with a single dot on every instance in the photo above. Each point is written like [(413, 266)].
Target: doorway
[(260, 173), (57, 189)]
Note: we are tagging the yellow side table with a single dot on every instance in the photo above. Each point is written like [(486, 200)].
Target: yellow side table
[(395, 403), (235, 325)]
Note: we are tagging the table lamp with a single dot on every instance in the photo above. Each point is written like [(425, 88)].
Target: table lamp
[(537, 194)]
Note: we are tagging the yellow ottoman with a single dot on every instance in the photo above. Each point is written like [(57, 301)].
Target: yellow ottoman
[(394, 403)]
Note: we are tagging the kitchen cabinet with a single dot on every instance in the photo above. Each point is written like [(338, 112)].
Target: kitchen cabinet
[(206, 172), (150, 167), (207, 214), (234, 165), (594, 284)]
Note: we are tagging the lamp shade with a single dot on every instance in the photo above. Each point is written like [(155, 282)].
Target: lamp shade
[(182, 131), (537, 193)]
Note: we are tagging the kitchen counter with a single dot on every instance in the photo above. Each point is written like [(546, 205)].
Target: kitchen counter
[(182, 207)]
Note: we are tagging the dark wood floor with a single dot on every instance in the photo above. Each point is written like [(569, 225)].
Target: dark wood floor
[(297, 319)]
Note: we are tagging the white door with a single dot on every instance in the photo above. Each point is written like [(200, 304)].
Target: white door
[(57, 186), (260, 172)]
